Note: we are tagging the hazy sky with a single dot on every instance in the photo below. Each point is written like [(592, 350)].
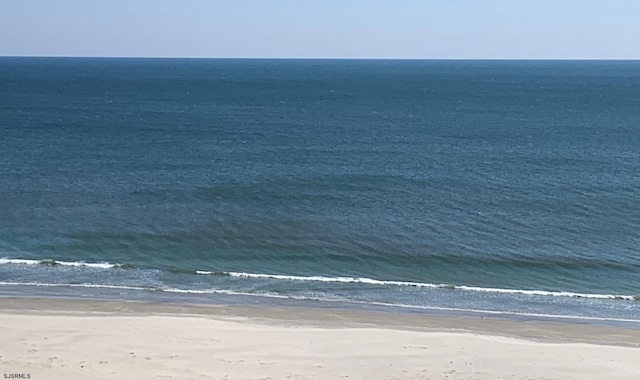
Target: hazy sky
[(322, 29)]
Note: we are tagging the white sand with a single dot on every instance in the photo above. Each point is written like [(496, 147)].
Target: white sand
[(113, 340)]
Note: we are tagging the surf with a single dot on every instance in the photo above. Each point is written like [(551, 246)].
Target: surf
[(371, 281)]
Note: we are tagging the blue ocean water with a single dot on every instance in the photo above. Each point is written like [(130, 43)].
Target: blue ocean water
[(510, 186)]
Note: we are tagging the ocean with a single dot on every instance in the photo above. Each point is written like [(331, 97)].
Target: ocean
[(509, 187)]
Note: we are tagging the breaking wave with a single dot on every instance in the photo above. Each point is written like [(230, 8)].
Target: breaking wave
[(322, 299), (102, 265), (370, 281)]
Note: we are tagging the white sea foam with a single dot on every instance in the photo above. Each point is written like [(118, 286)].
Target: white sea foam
[(340, 279), (52, 285), (103, 265), (370, 281), (322, 299), (204, 272), (4, 260), (497, 312), (225, 291), (151, 289)]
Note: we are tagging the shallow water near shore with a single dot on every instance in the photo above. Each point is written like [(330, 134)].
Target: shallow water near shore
[(435, 185)]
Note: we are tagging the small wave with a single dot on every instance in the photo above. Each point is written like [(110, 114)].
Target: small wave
[(362, 280), (321, 299), (50, 262), (499, 312), (212, 273), (51, 285), (148, 289), (370, 281)]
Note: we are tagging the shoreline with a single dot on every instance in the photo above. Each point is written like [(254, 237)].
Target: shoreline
[(597, 307), (66, 338), (538, 329), (241, 299)]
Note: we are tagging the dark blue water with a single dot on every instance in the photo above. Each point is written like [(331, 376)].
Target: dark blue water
[(488, 185)]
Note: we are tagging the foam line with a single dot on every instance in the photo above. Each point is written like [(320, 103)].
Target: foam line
[(342, 300), (103, 265), (370, 281)]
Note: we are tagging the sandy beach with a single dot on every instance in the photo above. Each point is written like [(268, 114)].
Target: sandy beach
[(77, 339)]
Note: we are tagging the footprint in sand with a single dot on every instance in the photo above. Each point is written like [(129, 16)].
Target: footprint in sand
[(50, 361)]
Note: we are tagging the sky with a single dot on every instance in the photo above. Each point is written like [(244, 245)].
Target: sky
[(413, 29)]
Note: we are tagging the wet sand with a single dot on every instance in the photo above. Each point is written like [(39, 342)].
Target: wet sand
[(73, 339)]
